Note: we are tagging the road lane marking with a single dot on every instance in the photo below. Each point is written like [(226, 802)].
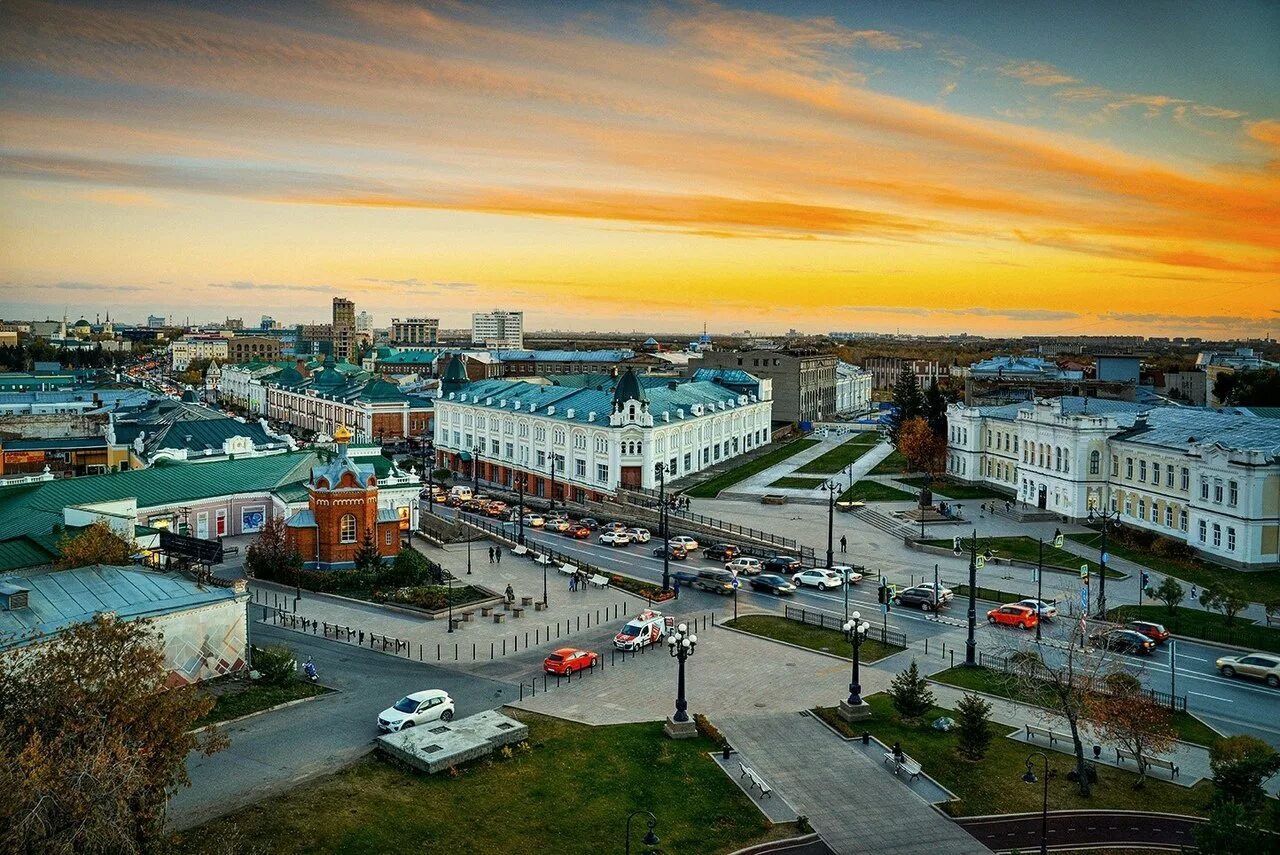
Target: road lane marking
[(1215, 697)]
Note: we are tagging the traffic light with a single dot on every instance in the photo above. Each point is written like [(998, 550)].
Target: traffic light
[(882, 594), (1146, 580)]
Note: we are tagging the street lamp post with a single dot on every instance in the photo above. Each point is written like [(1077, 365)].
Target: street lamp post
[(552, 458), (520, 510), (681, 643), (650, 839), (833, 487), (1030, 777), (1108, 519), (449, 581), (423, 447), (970, 643), (475, 469), (855, 631), (660, 469)]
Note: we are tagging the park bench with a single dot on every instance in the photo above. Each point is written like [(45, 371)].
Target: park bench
[(568, 569), (906, 764), (230, 550), (526, 601), (467, 616), (517, 612), (1033, 730), (599, 581), (485, 611), (1155, 762), (520, 549), (756, 780), (499, 617), (542, 559)]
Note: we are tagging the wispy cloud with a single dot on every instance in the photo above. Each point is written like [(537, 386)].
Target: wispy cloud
[(1035, 73)]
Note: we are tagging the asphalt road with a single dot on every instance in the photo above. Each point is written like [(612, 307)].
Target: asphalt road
[(1083, 829), (272, 753)]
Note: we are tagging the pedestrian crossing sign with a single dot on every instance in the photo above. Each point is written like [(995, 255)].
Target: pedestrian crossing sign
[(980, 562), (1084, 573), (1057, 540)]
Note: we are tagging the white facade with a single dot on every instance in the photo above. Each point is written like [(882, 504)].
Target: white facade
[(243, 386), (182, 351), (520, 426), (498, 330), (853, 389), (1211, 478)]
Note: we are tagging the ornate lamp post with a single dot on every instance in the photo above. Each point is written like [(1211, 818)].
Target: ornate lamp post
[(650, 839), (520, 508), (681, 643), (970, 643), (551, 458), (855, 708), (1108, 519), (425, 445), (1030, 778), (660, 470), (475, 469), (833, 487)]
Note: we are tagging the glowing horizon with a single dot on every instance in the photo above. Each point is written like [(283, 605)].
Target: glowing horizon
[(1031, 169)]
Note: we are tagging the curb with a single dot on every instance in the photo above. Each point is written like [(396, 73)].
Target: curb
[(778, 845), (330, 690)]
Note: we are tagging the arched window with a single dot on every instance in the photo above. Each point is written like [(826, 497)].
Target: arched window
[(347, 529), (1095, 462)]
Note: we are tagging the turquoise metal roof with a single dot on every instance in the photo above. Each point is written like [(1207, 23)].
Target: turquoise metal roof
[(662, 398)]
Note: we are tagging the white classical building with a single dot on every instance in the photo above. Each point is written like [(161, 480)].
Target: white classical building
[(853, 389), (244, 385), (596, 438), (182, 351), (1209, 477)]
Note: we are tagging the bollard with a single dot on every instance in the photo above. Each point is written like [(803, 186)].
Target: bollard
[(557, 630), (362, 638), (419, 651), (953, 657), (926, 647), (504, 647), (526, 639), (515, 642), (588, 620), (455, 652), (437, 653), (490, 649), (537, 636), (579, 623), (473, 651)]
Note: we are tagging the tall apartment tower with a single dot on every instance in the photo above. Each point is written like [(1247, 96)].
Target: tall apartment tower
[(413, 333), (498, 330), (344, 328)]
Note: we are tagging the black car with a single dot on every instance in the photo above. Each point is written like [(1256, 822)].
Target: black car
[(781, 565), (924, 598), (676, 553), (588, 522), (772, 584), (1123, 640), (722, 552)]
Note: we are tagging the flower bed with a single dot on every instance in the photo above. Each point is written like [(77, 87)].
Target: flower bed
[(432, 597), (653, 593)]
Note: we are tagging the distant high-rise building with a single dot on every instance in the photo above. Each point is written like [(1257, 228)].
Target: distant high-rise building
[(268, 323), (364, 326), (233, 324), (155, 321), (415, 332), (344, 328), (498, 330)]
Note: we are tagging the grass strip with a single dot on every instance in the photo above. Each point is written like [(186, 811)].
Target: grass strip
[(711, 488), (244, 698), (799, 483), (841, 456), (1210, 626), (812, 637), (1028, 549), (950, 489), (874, 491)]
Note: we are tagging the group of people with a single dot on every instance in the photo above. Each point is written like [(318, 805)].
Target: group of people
[(678, 503), (495, 554), (578, 580)]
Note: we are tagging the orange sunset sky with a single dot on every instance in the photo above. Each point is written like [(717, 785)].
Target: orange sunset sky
[(988, 168)]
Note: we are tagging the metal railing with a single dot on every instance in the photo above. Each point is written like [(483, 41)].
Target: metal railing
[(999, 662), (827, 620)]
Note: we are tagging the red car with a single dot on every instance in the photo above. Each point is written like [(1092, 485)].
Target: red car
[(568, 660), (1023, 617), (578, 530), (1154, 631)]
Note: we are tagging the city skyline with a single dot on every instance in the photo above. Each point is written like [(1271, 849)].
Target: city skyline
[(992, 170)]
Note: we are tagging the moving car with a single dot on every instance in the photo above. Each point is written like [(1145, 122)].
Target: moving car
[(684, 577), (781, 564), (578, 530), (1023, 617), (744, 565), (534, 520), (715, 581), (615, 538), (1046, 611), (923, 597), (818, 577), (675, 553), (1154, 631), (1123, 640), (415, 709), (568, 660), (589, 522), (687, 542), (495, 509), (1258, 666), (639, 535), (614, 526), (771, 584), (847, 573), (643, 629), (561, 525), (557, 515), (722, 552)]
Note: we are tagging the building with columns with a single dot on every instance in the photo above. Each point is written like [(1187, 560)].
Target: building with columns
[(1208, 477), (328, 398), (596, 438)]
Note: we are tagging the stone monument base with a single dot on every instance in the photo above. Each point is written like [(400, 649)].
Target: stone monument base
[(854, 712), (680, 729)]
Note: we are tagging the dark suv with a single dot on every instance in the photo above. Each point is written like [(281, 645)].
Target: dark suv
[(722, 552), (922, 598), (783, 565)]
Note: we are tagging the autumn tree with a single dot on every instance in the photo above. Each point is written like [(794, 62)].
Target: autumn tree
[(1226, 598), (99, 543), (974, 733), (1238, 810), (1170, 593), (92, 741), (924, 450), (271, 556), (1131, 718)]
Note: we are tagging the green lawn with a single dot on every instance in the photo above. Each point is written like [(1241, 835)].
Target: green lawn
[(799, 483), (894, 464), (241, 698), (569, 793), (1210, 626), (1261, 586), (842, 455), (710, 488), (994, 785), (1028, 549), (812, 637), (1190, 728), (874, 491), (950, 489)]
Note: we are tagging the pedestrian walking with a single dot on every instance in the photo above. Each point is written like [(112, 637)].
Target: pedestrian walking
[(573, 581), (490, 554), (675, 586), (497, 554), (1194, 595), (844, 543), (1007, 506), (511, 594)]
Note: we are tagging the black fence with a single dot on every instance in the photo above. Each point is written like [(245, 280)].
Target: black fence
[(783, 543), (826, 620), (1001, 663)]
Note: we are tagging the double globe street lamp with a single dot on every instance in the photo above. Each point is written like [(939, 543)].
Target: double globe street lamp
[(680, 644), (1107, 519), (855, 632)]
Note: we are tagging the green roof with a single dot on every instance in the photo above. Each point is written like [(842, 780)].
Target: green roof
[(33, 509), (22, 552)]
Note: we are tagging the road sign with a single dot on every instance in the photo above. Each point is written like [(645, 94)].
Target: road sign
[(1084, 571), (980, 562), (1106, 556), (1084, 599), (735, 581), (1057, 541)]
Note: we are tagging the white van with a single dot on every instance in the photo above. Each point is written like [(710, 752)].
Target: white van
[(461, 493)]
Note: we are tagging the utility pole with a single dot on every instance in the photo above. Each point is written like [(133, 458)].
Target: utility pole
[(971, 644)]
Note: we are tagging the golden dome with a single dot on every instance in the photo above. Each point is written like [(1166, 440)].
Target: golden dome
[(342, 434)]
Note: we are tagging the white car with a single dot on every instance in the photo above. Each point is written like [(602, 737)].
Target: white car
[(639, 535), (818, 577), (687, 542), (415, 709), (615, 538), (847, 572), (1047, 611), (557, 525), (534, 520), (745, 565)]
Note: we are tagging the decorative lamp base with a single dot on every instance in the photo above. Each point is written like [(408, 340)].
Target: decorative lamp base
[(680, 729), (854, 712)]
